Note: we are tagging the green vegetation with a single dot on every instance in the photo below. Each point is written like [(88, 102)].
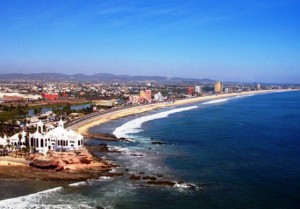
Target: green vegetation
[(10, 112), (4, 116), (9, 115), (57, 105)]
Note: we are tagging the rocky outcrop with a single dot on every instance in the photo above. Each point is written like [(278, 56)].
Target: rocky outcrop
[(44, 164), (102, 136), (97, 148), (61, 166), (152, 178), (165, 183), (158, 143), (59, 161), (134, 177)]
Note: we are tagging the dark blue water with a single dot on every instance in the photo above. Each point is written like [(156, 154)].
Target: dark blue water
[(247, 151), (244, 152)]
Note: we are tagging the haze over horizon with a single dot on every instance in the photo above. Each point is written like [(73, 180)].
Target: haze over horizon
[(233, 40)]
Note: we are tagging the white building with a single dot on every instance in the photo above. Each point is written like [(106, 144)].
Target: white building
[(42, 141), (18, 140), (198, 89), (257, 86), (3, 141), (158, 97), (55, 139)]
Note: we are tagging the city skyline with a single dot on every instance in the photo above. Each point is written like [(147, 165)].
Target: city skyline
[(222, 40)]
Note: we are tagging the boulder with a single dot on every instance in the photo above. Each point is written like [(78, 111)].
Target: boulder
[(85, 160), (134, 177), (152, 178), (159, 143), (164, 183)]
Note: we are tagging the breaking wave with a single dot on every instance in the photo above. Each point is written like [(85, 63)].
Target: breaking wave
[(216, 101), (134, 126), (28, 201)]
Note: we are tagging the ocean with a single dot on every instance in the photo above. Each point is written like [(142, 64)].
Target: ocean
[(238, 153)]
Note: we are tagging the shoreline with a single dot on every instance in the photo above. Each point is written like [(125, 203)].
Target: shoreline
[(84, 127), (17, 168)]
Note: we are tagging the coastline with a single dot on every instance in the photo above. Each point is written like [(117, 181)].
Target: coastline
[(84, 127), (14, 168), (137, 175)]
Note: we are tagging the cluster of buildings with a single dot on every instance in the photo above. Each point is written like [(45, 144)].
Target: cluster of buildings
[(8, 97), (194, 90), (219, 87), (18, 97), (44, 139), (132, 92), (145, 96)]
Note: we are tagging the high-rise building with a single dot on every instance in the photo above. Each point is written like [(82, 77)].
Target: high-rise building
[(158, 97), (198, 89), (146, 95), (218, 87), (190, 90), (257, 86), (134, 99)]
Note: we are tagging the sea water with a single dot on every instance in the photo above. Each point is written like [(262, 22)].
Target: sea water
[(242, 152)]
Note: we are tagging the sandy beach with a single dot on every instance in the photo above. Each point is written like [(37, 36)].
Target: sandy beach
[(12, 161), (84, 126)]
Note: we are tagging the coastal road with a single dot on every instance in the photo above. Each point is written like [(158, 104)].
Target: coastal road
[(75, 123)]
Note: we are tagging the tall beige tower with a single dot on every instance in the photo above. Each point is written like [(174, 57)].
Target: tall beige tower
[(218, 87)]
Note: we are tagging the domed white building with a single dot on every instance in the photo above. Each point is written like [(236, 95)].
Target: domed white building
[(54, 139)]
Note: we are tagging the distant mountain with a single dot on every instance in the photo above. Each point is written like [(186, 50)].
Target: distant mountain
[(95, 77)]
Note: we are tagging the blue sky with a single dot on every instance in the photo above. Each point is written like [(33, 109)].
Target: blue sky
[(229, 40)]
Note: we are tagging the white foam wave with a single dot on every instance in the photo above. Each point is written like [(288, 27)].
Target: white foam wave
[(27, 201), (118, 149), (246, 95), (182, 186), (81, 183), (105, 177), (185, 186), (134, 126), (216, 101)]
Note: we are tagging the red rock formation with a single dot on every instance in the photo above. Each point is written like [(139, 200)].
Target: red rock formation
[(61, 160), (44, 164)]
